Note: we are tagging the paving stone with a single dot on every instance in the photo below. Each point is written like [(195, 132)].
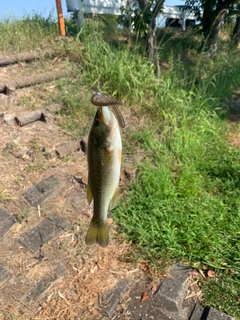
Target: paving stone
[(4, 274), (110, 299), (40, 191), (172, 291), (208, 313), (54, 108), (198, 312), (135, 308), (186, 309), (45, 283), (45, 231), (7, 220), (213, 314)]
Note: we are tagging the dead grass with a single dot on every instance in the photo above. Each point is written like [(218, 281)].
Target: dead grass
[(89, 270), (78, 296)]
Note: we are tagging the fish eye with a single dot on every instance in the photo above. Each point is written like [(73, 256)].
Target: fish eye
[(97, 122)]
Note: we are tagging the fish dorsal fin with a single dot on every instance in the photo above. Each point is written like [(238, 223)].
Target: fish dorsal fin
[(89, 193), (118, 116), (113, 201)]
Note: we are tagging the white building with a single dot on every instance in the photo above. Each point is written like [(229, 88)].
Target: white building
[(182, 14)]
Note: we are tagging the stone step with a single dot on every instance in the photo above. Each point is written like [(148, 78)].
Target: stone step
[(41, 191), (4, 274), (168, 302), (173, 290), (44, 232), (7, 221), (45, 283), (110, 298), (208, 313)]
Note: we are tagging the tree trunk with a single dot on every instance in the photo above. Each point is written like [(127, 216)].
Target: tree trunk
[(208, 16), (212, 37), (212, 21), (236, 31), (151, 48), (151, 37)]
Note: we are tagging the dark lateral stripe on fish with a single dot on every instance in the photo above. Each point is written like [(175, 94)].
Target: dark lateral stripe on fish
[(119, 116), (101, 100)]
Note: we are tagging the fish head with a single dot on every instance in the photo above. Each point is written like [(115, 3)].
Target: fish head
[(103, 122)]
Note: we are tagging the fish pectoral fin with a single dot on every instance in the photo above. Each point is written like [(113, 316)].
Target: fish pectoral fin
[(98, 232), (114, 200), (89, 194)]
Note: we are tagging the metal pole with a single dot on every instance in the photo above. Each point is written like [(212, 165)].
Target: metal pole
[(183, 21), (80, 16), (61, 24)]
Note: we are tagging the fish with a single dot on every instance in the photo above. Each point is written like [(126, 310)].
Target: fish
[(104, 156)]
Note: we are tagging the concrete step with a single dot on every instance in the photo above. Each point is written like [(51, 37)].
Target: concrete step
[(126, 299)]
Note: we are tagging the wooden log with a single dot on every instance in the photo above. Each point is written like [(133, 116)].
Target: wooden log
[(2, 86), (49, 153), (47, 76), (84, 143), (28, 81), (10, 89), (54, 108), (8, 119), (29, 117), (68, 148), (36, 115), (24, 56), (84, 180)]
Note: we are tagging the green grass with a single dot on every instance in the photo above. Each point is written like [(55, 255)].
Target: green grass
[(29, 33), (123, 72), (184, 204), (223, 293)]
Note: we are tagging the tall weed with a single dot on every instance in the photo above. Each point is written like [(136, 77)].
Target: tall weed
[(27, 33), (121, 72)]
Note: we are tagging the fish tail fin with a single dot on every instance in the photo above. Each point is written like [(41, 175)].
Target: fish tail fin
[(98, 232)]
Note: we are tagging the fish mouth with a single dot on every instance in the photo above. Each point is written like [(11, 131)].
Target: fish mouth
[(104, 116)]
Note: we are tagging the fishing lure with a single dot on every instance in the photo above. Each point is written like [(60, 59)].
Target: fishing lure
[(100, 99)]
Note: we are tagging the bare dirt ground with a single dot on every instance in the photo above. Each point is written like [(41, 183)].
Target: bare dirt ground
[(85, 272)]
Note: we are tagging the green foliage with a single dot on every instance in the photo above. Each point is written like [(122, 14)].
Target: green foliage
[(136, 17), (122, 72)]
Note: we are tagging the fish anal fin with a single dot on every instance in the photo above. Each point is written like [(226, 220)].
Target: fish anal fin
[(98, 232), (114, 200), (89, 194)]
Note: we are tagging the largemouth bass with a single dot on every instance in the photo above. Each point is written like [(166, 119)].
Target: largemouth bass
[(104, 162)]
